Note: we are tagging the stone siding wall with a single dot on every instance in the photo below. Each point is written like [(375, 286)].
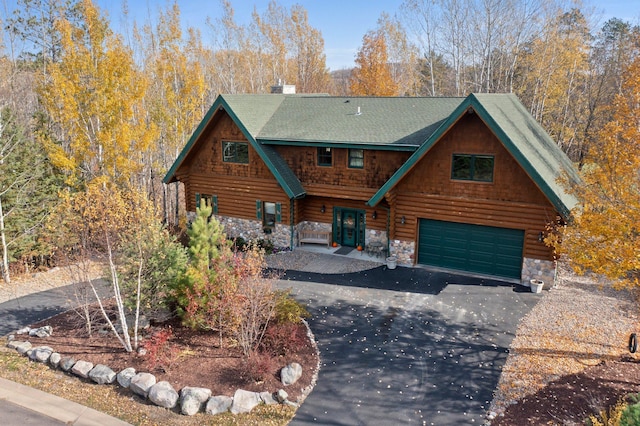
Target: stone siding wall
[(252, 230), (543, 270), (404, 251)]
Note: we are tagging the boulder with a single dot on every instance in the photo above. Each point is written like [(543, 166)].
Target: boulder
[(244, 401), (163, 395), (290, 373), (141, 383), (23, 347), (67, 363), (124, 377), (54, 359), (101, 374), (41, 353), (218, 404), (41, 332), (24, 330), (281, 396), (268, 398), (82, 368), (192, 399)]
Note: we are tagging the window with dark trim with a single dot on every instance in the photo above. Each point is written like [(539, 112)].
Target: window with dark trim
[(324, 157), (235, 152), (269, 213), (478, 168), (210, 200), (356, 158)]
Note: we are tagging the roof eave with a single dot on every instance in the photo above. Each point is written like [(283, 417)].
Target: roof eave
[(340, 144), (418, 153), (170, 175), (542, 184)]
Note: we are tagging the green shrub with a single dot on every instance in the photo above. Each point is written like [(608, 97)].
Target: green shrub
[(288, 310), (265, 245), (630, 416)]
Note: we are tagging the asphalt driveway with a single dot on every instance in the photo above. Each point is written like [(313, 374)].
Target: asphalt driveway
[(406, 346)]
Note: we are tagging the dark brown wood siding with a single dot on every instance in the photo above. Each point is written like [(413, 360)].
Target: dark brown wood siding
[(379, 166), (512, 200), (238, 186)]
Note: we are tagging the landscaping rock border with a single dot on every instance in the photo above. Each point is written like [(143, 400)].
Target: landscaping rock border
[(191, 400)]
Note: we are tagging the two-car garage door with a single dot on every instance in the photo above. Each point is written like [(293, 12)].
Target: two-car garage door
[(472, 248)]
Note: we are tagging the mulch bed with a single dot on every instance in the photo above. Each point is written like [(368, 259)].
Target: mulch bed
[(198, 358), (571, 399)]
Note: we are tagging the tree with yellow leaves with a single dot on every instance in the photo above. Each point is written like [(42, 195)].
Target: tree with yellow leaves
[(94, 94), (372, 76), (604, 234)]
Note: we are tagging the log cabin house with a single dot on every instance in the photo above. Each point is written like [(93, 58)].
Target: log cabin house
[(467, 184)]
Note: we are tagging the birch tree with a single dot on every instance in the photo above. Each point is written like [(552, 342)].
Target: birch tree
[(95, 94)]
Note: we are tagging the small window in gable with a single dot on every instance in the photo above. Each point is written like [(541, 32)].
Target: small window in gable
[(235, 152), (356, 158), (325, 157), (478, 168)]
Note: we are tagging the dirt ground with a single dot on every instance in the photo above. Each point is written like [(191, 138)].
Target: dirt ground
[(191, 358)]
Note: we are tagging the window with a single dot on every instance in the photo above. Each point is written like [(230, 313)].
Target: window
[(269, 218), (356, 158), (210, 200), (477, 168), (235, 152), (269, 213), (324, 157)]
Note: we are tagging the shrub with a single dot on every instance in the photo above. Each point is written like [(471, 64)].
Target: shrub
[(265, 245), (288, 310), (281, 339), (239, 244), (257, 366), (160, 352), (631, 414)]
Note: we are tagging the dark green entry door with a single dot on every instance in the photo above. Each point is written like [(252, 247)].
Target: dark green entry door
[(473, 248), (348, 226)]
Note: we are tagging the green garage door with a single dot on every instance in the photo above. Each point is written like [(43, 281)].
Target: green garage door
[(473, 248)]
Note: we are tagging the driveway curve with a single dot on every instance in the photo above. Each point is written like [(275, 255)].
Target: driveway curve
[(406, 346)]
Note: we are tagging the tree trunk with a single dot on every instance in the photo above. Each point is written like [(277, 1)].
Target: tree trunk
[(4, 267)]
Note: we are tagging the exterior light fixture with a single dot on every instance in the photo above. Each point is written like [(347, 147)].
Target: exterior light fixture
[(540, 237), (323, 209), (403, 220), (374, 214)]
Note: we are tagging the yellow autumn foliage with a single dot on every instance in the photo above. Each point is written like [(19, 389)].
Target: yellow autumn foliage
[(604, 234)]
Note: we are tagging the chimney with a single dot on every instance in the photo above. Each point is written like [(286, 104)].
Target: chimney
[(285, 89)]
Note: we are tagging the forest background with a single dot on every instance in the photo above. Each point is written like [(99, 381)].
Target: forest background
[(85, 103)]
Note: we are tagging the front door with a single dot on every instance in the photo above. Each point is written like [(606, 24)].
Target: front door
[(349, 228)]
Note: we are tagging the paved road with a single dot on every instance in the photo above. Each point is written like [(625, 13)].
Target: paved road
[(429, 351), (26, 310), (21, 405)]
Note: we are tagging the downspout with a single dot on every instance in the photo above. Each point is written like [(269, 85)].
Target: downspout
[(292, 220), (388, 209)]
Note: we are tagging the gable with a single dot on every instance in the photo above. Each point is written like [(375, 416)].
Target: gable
[(248, 117), (526, 141), (432, 174)]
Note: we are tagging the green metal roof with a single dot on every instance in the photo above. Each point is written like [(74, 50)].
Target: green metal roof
[(373, 121), (521, 135), (414, 124)]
